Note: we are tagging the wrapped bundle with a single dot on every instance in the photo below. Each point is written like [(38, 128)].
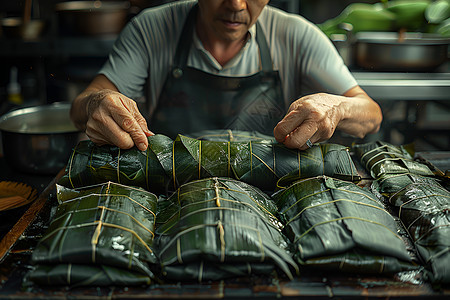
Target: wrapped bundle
[(90, 164), (388, 184), (217, 228), (424, 210), (99, 235), (337, 225), (168, 164), (383, 158)]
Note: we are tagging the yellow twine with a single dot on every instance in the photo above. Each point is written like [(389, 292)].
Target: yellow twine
[(70, 166), (147, 168), (179, 251), (222, 240), (118, 169), (94, 239), (216, 190), (229, 159), (173, 165), (199, 159), (251, 158), (264, 163)]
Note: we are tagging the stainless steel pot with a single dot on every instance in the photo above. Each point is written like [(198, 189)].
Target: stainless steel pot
[(38, 139), (392, 51), (92, 18)]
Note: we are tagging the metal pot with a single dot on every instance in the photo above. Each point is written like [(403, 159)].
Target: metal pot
[(92, 18), (38, 139), (393, 51)]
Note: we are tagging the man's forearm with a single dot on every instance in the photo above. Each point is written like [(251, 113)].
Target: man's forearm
[(361, 116), (79, 110)]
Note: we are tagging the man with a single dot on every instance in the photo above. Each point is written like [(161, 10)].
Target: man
[(236, 64)]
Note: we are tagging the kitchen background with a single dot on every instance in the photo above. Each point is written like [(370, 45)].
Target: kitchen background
[(57, 61)]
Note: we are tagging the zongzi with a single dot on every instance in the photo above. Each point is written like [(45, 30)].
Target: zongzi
[(337, 225), (384, 158), (104, 225), (424, 210), (220, 222)]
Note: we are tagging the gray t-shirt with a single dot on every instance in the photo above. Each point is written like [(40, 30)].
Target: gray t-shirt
[(306, 59)]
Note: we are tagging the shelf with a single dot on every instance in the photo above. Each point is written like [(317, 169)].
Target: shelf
[(405, 86), (62, 47)]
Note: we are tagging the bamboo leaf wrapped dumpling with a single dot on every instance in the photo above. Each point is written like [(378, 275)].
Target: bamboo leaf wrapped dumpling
[(168, 164), (337, 225), (220, 222), (389, 184), (90, 164), (104, 225), (424, 209), (260, 164), (384, 158)]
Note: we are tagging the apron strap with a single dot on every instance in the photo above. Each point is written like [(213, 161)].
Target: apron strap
[(264, 53), (185, 41)]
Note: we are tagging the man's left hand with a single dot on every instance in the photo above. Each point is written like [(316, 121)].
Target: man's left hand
[(314, 117)]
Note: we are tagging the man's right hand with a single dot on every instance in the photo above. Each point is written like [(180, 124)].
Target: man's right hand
[(109, 117), (115, 119)]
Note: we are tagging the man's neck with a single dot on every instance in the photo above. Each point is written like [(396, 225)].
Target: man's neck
[(222, 51)]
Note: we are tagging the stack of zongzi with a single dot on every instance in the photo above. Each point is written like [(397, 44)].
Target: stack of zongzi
[(100, 235), (424, 209), (168, 164), (217, 228), (335, 224)]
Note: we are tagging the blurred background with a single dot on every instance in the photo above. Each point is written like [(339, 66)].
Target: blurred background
[(64, 43)]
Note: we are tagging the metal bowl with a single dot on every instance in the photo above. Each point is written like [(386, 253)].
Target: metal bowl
[(38, 139), (391, 51)]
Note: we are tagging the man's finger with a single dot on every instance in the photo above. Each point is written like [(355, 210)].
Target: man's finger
[(128, 124), (298, 137), (288, 124), (108, 132), (142, 123)]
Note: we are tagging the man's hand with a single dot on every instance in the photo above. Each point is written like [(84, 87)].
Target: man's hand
[(115, 119), (316, 117), (108, 117)]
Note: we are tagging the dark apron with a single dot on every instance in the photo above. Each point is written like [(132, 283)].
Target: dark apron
[(193, 100)]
